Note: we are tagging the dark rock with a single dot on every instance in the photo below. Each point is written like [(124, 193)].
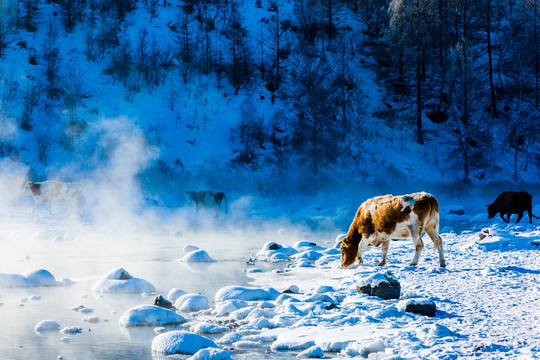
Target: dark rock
[(274, 246), (162, 302), (456, 211), (426, 309), (124, 275), (383, 285)]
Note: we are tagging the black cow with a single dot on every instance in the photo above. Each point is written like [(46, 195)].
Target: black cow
[(207, 199), (509, 203)]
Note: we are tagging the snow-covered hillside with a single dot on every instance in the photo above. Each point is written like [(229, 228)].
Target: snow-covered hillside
[(284, 108)]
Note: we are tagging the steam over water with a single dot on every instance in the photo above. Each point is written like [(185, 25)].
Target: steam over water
[(83, 251)]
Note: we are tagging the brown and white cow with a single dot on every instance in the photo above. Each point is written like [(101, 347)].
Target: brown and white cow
[(382, 218), (208, 199), (48, 192)]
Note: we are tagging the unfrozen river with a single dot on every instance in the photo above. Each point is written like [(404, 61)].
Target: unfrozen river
[(83, 252)]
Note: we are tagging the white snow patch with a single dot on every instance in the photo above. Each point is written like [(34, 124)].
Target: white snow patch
[(39, 277), (150, 315), (120, 281), (211, 354), (191, 302), (197, 256), (180, 342), (46, 325), (246, 293), (174, 294)]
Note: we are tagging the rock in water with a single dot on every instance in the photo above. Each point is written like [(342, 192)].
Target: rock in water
[(162, 302), (383, 285)]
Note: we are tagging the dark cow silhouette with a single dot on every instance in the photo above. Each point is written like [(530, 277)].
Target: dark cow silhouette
[(509, 203), (207, 199)]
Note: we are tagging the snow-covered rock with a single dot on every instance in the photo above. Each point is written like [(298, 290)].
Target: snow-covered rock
[(39, 277), (191, 302), (382, 284), (208, 328), (189, 248), (180, 342), (211, 354), (228, 306), (313, 352), (271, 248), (306, 245), (246, 293), (150, 315), (174, 294), (308, 255), (46, 325), (424, 307), (197, 256), (71, 330), (120, 281)]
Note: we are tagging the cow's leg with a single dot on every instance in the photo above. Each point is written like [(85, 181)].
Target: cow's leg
[(361, 248), (437, 243), (520, 216), (529, 212), (384, 247), (50, 207), (34, 210), (416, 235)]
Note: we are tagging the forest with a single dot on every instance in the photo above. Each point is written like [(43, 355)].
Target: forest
[(312, 90)]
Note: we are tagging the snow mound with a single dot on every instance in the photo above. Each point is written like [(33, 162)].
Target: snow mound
[(306, 245), (175, 293), (271, 249), (246, 293), (197, 256), (208, 328), (211, 354), (312, 352), (359, 349), (120, 281), (308, 255), (180, 342), (191, 302), (71, 330), (228, 306), (39, 277), (189, 248), (150, 315), (46, 325)]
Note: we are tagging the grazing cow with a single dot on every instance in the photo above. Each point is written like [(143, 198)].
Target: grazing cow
[(48, 192), (207, 199), (380, 219), (509, 203)]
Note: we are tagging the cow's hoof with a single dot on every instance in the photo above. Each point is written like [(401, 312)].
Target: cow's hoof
[(382, 263), (413, 264)]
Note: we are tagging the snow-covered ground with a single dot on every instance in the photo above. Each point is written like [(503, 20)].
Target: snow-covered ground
[(270, 293)]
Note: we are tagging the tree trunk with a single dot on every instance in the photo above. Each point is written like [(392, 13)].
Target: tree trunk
[(493, 105)]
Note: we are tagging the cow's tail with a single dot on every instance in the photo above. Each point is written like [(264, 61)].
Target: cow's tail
[(433, 216)]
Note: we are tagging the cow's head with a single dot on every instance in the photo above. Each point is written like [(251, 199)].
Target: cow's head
[(491, 211), (32, 188), (349, 251)]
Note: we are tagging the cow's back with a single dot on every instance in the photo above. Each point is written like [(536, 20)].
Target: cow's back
[(515, 201)]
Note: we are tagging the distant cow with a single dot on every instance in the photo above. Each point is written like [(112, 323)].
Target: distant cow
[(48, 192), (380, 219), (509, 203), (208, 199)]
